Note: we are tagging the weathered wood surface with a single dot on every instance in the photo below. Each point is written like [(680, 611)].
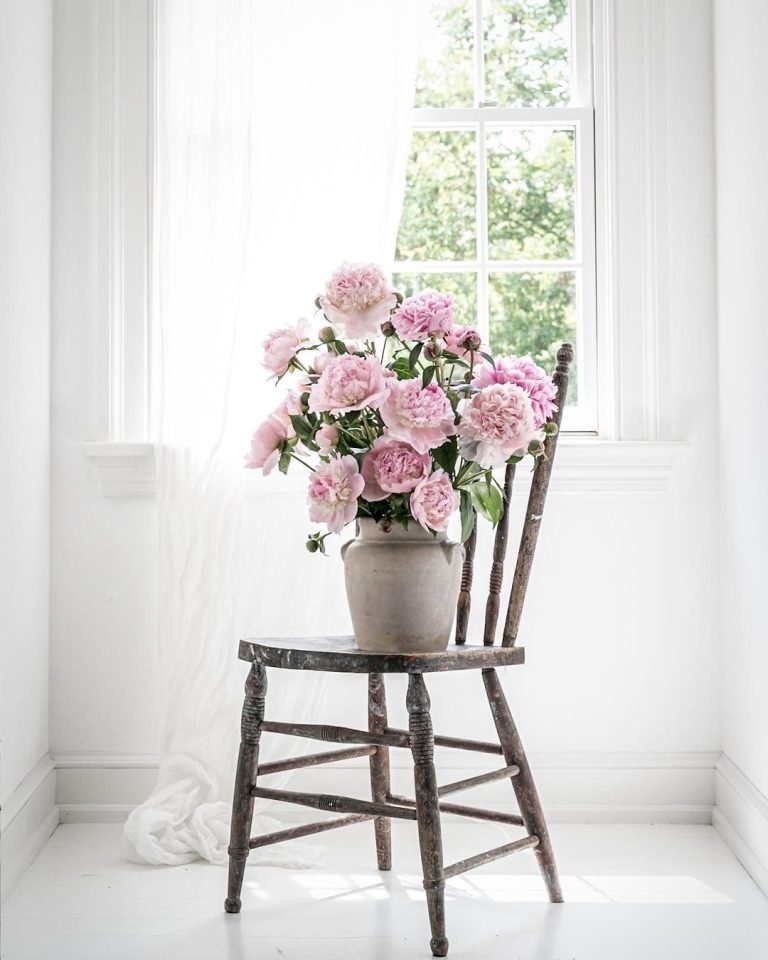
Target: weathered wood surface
[(479, 780), (458, 743), (535, 508), (247, 767), (379, 767), (476, 813), (307, 830), (341, 655), (313, 759), (497, 566), (427, 809), (332, 734), (465, 591), (524, 786), (334, 803), (488, 856)]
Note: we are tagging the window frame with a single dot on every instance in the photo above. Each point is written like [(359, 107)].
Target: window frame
[(580, 116)]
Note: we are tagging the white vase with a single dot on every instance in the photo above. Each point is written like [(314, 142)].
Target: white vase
[(402, 587)]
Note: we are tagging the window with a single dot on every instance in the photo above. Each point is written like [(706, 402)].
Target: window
[(499, 198)]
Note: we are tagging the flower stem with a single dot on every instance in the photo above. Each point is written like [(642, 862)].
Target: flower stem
[(303, 462)]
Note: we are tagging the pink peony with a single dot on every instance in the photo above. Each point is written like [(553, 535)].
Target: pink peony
[(434, 500), (326, 438), (463, 340), (321, 361), (333, 491), (281, 345), (421, 416), (496, 423), (267, 439), (358, 299), (392, 466), (427, 314), (347, 383), (526, 374)]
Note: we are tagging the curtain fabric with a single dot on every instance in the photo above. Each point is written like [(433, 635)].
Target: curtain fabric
[(282, 134)]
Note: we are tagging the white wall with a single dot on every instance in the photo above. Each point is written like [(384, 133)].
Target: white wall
[(742, 213), (25, 237), (620, 626)]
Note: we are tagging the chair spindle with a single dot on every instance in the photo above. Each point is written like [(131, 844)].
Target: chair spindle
[(465, 593), (497, 567), (535, 506)]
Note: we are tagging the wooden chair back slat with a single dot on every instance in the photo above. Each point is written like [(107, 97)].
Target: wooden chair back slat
[(465, 592), (497, 566), (535, 508)]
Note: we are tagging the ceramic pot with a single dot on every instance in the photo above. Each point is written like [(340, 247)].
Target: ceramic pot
[(402, 587)]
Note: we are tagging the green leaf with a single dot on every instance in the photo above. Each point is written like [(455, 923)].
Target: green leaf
[(467, 514), (402, 370), (302, 427), (487, 500), (340, 346), (427, 375), (488, 357), (285, 460), (413, 356), (447, 455)]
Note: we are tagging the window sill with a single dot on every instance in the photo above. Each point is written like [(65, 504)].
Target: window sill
[(584, 465)]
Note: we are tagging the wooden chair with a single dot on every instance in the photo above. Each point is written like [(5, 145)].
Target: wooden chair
[(339, 654)]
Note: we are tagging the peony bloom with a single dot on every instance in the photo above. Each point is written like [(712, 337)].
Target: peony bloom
[(347, 383), (392, 466), (427, 314), (333, 491), (463, 340), (321, 361), (526, 374), (281, 345), (358, 299), (495, 424), (421, 416), (434, 500), (267, 439), (326, 438)]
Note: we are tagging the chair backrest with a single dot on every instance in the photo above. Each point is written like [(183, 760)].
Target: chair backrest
[(530, 534)]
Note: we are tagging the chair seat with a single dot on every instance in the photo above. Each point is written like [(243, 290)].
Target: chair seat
[(342, 655)]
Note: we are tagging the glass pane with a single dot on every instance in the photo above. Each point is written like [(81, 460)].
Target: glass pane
[(445, 70), (463, 287), (531, 193), (533, 313), (438, 219), (527, 52)]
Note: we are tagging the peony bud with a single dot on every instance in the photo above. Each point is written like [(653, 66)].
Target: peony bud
[(550, 428), (471, 341), (433, 349), (327, 334), (312, 545), (388, 328), (535, 448)]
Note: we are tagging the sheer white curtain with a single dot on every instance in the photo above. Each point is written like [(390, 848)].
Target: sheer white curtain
[(282, 133)]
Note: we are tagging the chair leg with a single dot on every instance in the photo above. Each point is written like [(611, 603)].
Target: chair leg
[(379, 761), (525, 788), (247, 766), (428, 812)]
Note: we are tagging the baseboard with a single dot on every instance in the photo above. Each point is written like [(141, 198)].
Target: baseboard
[(672, 787), (741, 818), (28, 819)]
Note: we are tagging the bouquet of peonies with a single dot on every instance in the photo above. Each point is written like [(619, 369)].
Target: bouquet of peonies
[(402, 410)]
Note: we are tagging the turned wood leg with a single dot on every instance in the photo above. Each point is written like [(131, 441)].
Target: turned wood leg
[(428, 813), (247, 766), (379, 761), (525, 789)]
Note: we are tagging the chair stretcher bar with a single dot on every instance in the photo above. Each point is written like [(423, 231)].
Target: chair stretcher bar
[(488, 856), (335, 804)]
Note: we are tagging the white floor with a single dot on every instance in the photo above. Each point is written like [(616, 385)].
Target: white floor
[(633, 893)]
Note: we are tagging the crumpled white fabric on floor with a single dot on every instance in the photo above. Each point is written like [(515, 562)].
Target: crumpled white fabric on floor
[(282, 135)]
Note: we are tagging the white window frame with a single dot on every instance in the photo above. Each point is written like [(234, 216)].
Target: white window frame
[(635, 446), (582, 418)]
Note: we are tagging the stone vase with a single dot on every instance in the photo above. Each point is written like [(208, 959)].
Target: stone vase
[(402, 587)]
